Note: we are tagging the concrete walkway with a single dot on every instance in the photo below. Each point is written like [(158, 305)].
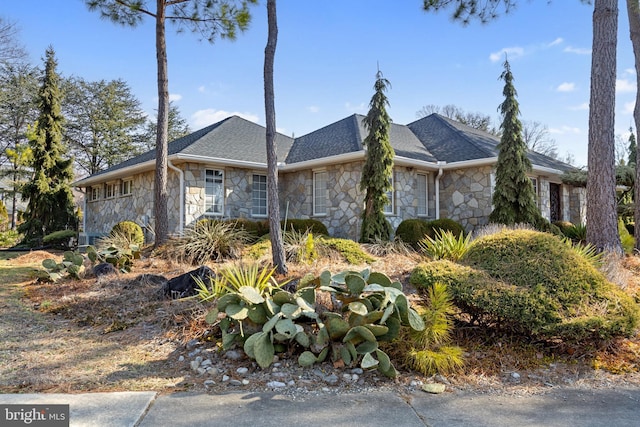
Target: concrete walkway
[(558, 407)]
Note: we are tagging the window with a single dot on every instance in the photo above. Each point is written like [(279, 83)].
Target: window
[(94, 193), (110, 190), (422, 195), (213, 192), (320, 193), (259, 198), (125, 187), (389, 208)]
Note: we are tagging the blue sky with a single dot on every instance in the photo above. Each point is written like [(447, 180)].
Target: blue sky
[(327, 57)]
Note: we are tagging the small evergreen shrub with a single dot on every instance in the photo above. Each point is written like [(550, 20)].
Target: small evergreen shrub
[(445, 224), (61, 239), (351, 251), (626, 239), (564, 227), (130, 229), (411, 231), (302, 225), (534, 284), (9, 238)]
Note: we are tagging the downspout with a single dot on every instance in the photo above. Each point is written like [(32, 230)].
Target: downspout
[(437, 185), (181, 203), (84, 216)]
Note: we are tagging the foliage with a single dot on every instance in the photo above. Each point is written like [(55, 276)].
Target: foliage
[(72, 265), (50, 207), (302, 225), (429, 351), (533, 284), (104, 122), (475, 120), (348, 249), (373, 310), (9, 238), (177, 127), (299, 246), (4, 217), (385, 248), (575, 178), (446, 245), (259, 249), (130, 230), (627, 240), (445, 224), (513, 197), (378, 166), (62, 239), (209, 240), (586, 251), (116, 250), (413, 230)]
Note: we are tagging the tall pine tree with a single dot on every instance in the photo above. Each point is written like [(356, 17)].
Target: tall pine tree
[(50, 201), (633, 147), (513, 196), (378, 166)]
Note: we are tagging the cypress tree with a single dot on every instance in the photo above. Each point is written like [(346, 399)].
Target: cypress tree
[(513, 196), (632, 148), (378, 166), (50, 200)]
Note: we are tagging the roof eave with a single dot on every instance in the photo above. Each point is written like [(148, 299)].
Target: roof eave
[(323, 161)]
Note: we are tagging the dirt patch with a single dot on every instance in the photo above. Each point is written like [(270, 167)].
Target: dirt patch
[(119, 333)]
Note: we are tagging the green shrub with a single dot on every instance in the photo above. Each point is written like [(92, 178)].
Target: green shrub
[(351, 251), (411, 231), (130, 229), (577, 232), (299, 247), (302, 225), (253, 228), (626, 239), (4, 217), (631, 227), (258, 249), (564, 227), (534, 284), (9, 238), (446, 245), (62, 239), (209, 240), (445, 224)]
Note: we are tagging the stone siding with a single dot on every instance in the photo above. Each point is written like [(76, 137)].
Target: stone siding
[(465, 196)]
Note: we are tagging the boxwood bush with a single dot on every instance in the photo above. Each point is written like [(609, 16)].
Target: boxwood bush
[(302, 225), (411, 231), (130, 229), (532, 283)]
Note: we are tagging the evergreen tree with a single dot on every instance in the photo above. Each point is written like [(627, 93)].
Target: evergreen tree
[(632, 148), (513, 197), (378, 166), (50, 201)]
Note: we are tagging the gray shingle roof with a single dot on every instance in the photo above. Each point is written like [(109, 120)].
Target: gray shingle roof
[(233, 138), (346, 136)]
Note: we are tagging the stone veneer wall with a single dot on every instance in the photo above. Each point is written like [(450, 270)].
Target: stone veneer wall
[(578, 205), (465, 196), (102, 214), (344, 199), (544, 197)]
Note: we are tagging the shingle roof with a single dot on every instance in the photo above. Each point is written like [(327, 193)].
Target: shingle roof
[(233, 138), (452, 141), (346, 136)]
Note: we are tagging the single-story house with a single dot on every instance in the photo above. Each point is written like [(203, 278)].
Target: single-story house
[(442, 168)]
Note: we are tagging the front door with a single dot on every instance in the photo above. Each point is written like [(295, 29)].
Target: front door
[(554, 201)]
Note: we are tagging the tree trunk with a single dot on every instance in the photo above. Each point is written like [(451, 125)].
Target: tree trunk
[(277, 246), (633, 10), (161, 195), (602, 225)]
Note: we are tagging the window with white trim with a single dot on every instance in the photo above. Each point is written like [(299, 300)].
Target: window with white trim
[(94, 193), (320, 193), (214, 192), (126, 187), (110, 190), (422, 194), (259, 196), (389, 208)]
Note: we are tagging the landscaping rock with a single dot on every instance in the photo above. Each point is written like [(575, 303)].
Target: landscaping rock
[(104, 269), (434, 388), (185, 285)]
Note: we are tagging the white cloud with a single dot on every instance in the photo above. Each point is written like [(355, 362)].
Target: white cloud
[(313, 108), (629, 71), (577, 50), (629, 106), (209, 116), (510, 52), (175, 97), (360, 108), (556, 42), (566, 87), (625, 86), (202, 89), (582, 107), (564, 130)]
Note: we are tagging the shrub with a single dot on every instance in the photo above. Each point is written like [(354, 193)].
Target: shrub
[(62, 239), (577, 233), (253, 228), (445, 245), (564, 227), (382, 248), (299, 246), (351, 251), (302, 225), (9, 238), (626, 239), (4, 217), (534, 284), (445, 224), (130, 229), (411, 231), (209, 240)]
